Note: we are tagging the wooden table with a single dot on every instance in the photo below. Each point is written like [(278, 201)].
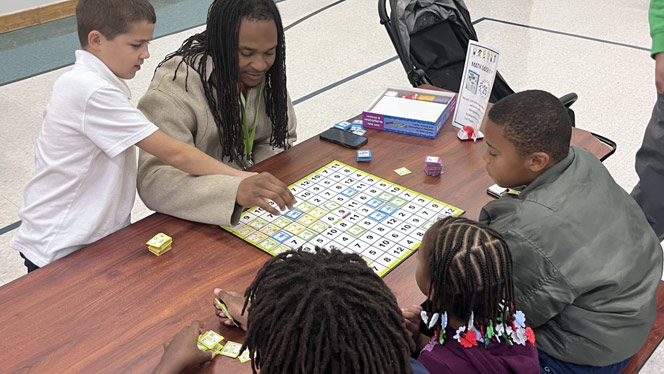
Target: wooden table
[(109, 307)]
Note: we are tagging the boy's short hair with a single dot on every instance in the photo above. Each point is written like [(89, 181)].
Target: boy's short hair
[(110, 17), (534, 121)]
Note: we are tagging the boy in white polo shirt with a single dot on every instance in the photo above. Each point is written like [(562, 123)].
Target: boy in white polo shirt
[(85, 179)]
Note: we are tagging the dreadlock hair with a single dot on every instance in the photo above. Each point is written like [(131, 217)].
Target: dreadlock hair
[(220, 42), (324, 313), (471, 271)]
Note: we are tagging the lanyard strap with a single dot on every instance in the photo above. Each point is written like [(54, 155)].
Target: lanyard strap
[(249, 138)]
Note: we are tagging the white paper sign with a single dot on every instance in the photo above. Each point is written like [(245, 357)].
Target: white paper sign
[(476, 84)]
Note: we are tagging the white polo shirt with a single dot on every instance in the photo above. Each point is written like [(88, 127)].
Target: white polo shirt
[(85, 164)]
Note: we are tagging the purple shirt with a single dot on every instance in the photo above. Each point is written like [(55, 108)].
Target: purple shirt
[(497, 358)]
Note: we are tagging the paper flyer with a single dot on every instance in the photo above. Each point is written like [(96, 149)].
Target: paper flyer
[(476, 84)]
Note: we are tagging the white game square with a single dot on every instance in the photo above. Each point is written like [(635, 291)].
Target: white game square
[(391, 222), (406, 228), (372, 253), (408, 242), (380, 229), (398, 251), (369, 237), (247, 217), (407, 195), (321, 240), (415, 220), (358, 246), (402, 215), (385, 244), (372, 191), (366, 223), (360, 186), (332, 233), (386, 260), (377, 268)]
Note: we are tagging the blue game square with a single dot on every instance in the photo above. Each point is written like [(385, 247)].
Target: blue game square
[(375, 203), (281, 236), (377, 216), (388, 209), (349, 192), (293, 214)]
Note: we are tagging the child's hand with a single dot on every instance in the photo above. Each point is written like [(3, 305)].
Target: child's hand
[(412, 320), (182, 351), (234, 302)]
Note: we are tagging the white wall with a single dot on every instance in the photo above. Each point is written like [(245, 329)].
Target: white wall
[(14, 6)]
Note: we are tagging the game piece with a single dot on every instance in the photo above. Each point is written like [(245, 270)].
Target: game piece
[(244, 357), (231, 349), (360, 132), (343, 207), (342, 125), (209, 340), (159, 244), (433, 166), (402, 171), (224, 309), (364, 155)]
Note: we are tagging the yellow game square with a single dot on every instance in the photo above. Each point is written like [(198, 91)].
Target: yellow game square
[(270, 230), (319, 226), (243, 230), (209, 339), (244, 357), (159, 240), (305, 206), (318, 212), (256, 237), (231, 349), (280, 249), (281, 222), (294, 228), (258, 223), (306, 220), (268, 244)]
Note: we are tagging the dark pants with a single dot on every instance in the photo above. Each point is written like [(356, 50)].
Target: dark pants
[(650, 168), (550, 365), (28, 264)]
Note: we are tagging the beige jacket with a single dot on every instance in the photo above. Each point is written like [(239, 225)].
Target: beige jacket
[(186, 116)]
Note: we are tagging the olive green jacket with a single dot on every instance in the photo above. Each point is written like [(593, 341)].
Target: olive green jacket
[(186, 116), (586, 262)]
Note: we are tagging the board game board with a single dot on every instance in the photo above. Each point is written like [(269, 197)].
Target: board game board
[(346, 208)]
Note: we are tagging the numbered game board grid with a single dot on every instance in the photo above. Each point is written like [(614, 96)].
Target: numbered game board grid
[(348, 209)]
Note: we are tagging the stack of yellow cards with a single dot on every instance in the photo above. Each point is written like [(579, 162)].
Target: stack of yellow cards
[(160, 244), (210, 341)]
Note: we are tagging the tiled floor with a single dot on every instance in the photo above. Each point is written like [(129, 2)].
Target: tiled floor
[(597, 51)]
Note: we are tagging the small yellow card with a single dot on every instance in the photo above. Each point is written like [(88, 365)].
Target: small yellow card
[(402, 171)]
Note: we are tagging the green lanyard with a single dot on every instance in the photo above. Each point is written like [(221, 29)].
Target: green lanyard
[(249, 138)]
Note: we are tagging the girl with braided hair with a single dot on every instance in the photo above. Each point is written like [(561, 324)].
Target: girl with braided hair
[(465, 270), (321, 313), (223, 91)]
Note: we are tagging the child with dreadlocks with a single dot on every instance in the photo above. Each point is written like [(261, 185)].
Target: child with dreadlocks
[(465, 269), (223, 91), (321, 313), (586, 262)]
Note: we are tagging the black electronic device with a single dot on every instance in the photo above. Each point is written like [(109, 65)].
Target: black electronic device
[(345, 138)]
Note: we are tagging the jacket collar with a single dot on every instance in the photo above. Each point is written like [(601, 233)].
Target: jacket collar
[(89, 61), (549, 175)]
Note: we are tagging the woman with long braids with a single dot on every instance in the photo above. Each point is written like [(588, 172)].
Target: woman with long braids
[(465, 270), (223, 91)]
